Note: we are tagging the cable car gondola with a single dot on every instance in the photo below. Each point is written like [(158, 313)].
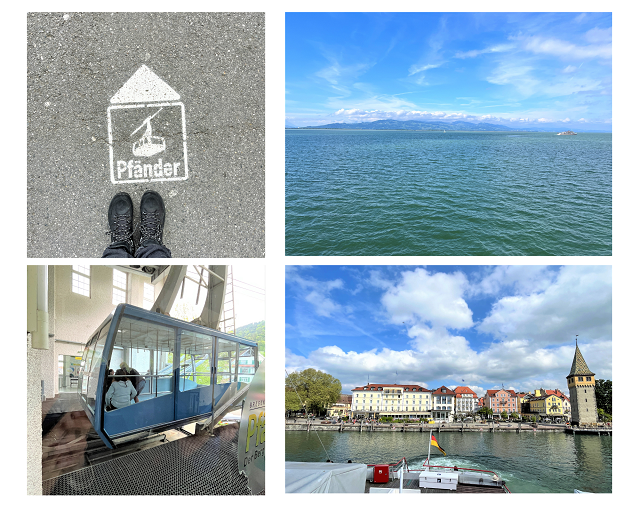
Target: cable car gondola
[(148, 144), (188, 370)]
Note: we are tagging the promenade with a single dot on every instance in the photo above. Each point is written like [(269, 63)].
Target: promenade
[(304, 424)]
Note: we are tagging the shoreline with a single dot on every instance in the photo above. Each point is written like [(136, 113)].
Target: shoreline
[(448, 427)]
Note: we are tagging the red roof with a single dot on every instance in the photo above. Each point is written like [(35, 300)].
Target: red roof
[(460, 390), (492, 392), (557, 393), (378, 387), (443, 390)]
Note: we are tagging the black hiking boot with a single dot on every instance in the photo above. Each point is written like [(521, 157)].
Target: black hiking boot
[(151, 219), (121, 222)]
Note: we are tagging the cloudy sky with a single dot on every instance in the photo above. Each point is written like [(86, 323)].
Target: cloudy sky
[(517, 69), (480, 326)]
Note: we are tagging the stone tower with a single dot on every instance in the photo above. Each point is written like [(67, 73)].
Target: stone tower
[(582, 391)]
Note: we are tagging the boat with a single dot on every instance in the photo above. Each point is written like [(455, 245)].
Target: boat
[(306, 477), (568, 132), (327, 477)]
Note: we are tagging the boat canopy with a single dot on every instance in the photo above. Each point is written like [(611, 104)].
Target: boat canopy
[(324, 477)]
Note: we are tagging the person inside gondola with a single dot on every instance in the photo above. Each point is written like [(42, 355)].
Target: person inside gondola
[(120, 393), (136, 379)]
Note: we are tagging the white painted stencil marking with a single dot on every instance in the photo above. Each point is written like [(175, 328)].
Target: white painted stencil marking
[(147, 131)]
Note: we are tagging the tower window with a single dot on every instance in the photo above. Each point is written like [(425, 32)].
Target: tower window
[(579, 379), (588, 379)]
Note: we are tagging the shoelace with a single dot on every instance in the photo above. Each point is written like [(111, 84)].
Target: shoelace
[(150, 226), (122, 231)]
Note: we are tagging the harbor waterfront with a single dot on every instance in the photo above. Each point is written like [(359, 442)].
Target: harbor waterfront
[(403, 192), (544, 461)]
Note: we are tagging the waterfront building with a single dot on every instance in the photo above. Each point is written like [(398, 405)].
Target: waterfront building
[(443, 404), (466, 400), (582, 391), (340, 408), (399, 401), (546, 405), (501, 400), (566, 404)]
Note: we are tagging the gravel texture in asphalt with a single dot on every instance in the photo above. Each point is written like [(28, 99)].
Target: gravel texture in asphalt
[(76, 62)]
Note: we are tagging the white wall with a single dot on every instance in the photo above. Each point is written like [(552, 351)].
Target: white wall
[(74, 317), (34, 420)]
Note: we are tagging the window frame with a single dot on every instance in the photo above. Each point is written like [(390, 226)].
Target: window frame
[(78, 270), (115, 288)]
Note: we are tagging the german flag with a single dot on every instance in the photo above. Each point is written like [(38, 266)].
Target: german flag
[(434, 442)]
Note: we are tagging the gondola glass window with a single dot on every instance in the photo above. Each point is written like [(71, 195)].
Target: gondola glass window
[(227, 361), (247, 364), (93, 354), (195, 359), (148, 348)]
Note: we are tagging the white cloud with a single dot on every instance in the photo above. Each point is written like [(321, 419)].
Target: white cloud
[(569, 69), (565, 49), (334, 73), (417, 68), (315, 292), (577, 302), (491, 49), (524, 279), (598, 35), (518, 75), (424, 297)]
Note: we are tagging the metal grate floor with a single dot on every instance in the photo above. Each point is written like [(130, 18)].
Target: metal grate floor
[(196, 465)]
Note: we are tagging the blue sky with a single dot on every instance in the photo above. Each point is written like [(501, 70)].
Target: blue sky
[(519, 69), (480, 326)]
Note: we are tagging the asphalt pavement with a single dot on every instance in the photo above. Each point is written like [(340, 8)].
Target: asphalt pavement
[(76, 63)]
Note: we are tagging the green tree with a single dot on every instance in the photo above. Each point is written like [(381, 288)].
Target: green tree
[(603, 416), (317, 390), (485, 412), (604, 398), (504, 415), (291, 400), (253, 332)]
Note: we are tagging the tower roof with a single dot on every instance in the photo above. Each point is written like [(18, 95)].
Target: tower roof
[(579, 366)]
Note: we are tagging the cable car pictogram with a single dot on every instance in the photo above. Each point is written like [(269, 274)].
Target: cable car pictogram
[(148, 144)]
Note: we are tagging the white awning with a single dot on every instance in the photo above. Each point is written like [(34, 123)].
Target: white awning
[(324, 477)]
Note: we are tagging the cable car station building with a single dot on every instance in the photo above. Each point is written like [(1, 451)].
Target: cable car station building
[(188, 372)]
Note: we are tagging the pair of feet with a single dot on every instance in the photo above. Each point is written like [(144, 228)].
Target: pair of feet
[(121, 221)]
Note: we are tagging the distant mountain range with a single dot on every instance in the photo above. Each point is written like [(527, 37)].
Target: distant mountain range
[(391, 124)]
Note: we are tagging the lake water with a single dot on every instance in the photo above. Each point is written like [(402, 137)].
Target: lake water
[(357, 192), (528, 462)]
